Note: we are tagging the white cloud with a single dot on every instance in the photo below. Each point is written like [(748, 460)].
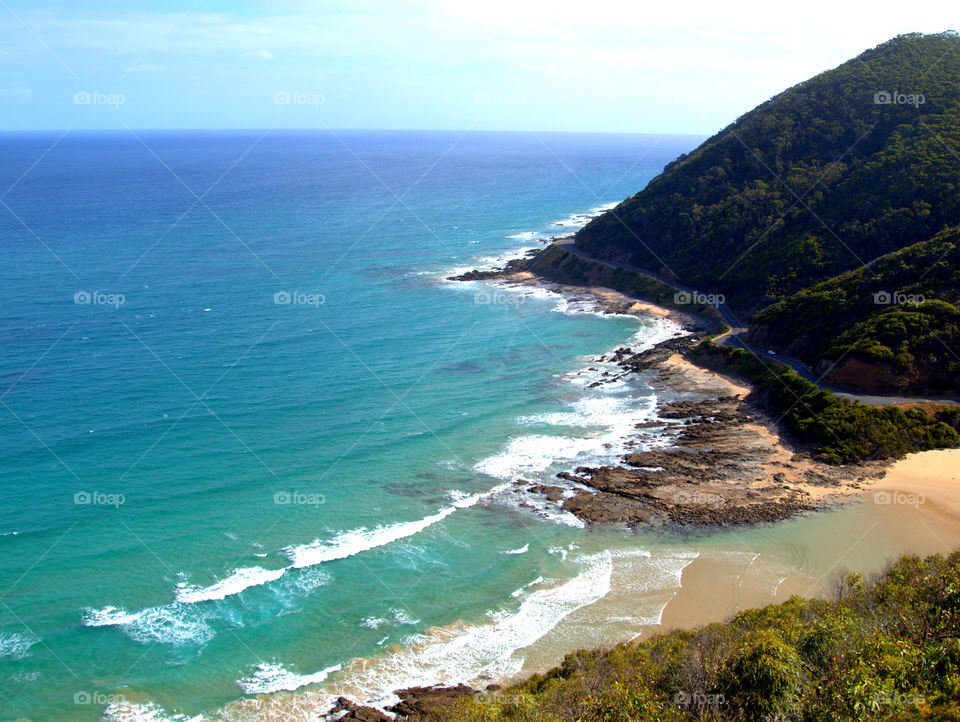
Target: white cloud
[(145, 68), (410, 57)]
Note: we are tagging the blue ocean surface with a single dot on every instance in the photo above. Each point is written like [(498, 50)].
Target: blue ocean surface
[(257, 451), (249, 433)]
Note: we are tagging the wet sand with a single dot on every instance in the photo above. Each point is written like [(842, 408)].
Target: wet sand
[(932, 475), (913, 509), (660, 582)]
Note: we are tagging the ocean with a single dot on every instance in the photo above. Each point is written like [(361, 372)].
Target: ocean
[(254, 443)]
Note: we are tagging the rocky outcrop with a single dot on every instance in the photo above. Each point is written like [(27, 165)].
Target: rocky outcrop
[(724, 468), (725, 463), (358, 713), (511, 268), (418, 702)]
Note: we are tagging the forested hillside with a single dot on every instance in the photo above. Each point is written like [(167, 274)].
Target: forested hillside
[(828, 177)]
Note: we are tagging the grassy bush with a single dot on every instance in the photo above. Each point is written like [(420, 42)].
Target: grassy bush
[(841, 431), (886, 651)]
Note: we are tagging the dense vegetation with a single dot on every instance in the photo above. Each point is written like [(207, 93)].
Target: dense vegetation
[(886, 651), (840, 431), (817, 182), (558, 265), (912, 334)]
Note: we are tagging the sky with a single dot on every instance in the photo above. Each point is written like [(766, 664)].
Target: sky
[(543, 65)]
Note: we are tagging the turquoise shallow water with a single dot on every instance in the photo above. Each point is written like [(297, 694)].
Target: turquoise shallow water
[(210, 492), (256, 451)]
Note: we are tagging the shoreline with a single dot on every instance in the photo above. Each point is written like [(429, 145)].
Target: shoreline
[(725, 462), (683, 607)]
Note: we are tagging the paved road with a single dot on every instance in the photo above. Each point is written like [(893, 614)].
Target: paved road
[(737, 330)]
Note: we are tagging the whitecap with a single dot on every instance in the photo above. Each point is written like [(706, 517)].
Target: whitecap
[(235, 583), (175, 624), (125, 711), (526, 586), (16, 645), (349, 543), (469, 652), (275, 678), (522, 550)]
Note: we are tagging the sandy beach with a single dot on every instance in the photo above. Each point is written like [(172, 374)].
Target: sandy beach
[(859, 522), (929, 479)]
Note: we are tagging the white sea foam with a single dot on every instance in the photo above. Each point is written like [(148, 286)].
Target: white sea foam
[(577, 220), (569, 225), (175, 624), (109, 616), (604, 207), (531, 454), (489, 263), (185, 622), (304, 581), (522, 550), (661, 570), (235, 583), (124, 711), (347, 544), (16, 645), (401, 616), (275, 678), (526, 455), (653, 577), (526, 586), (466, 652)]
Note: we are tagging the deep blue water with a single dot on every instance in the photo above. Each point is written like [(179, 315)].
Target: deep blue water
[(316, 481)]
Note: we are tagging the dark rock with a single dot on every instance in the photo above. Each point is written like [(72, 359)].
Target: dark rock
[(543, 489), (358, 713), (649, 424), (512, 267), (570, 477), (417, 702)]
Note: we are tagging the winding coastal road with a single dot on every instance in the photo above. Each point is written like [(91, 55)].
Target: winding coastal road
[(733, 337)]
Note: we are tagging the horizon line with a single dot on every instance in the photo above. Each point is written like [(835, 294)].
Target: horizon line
[(67, 131)]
